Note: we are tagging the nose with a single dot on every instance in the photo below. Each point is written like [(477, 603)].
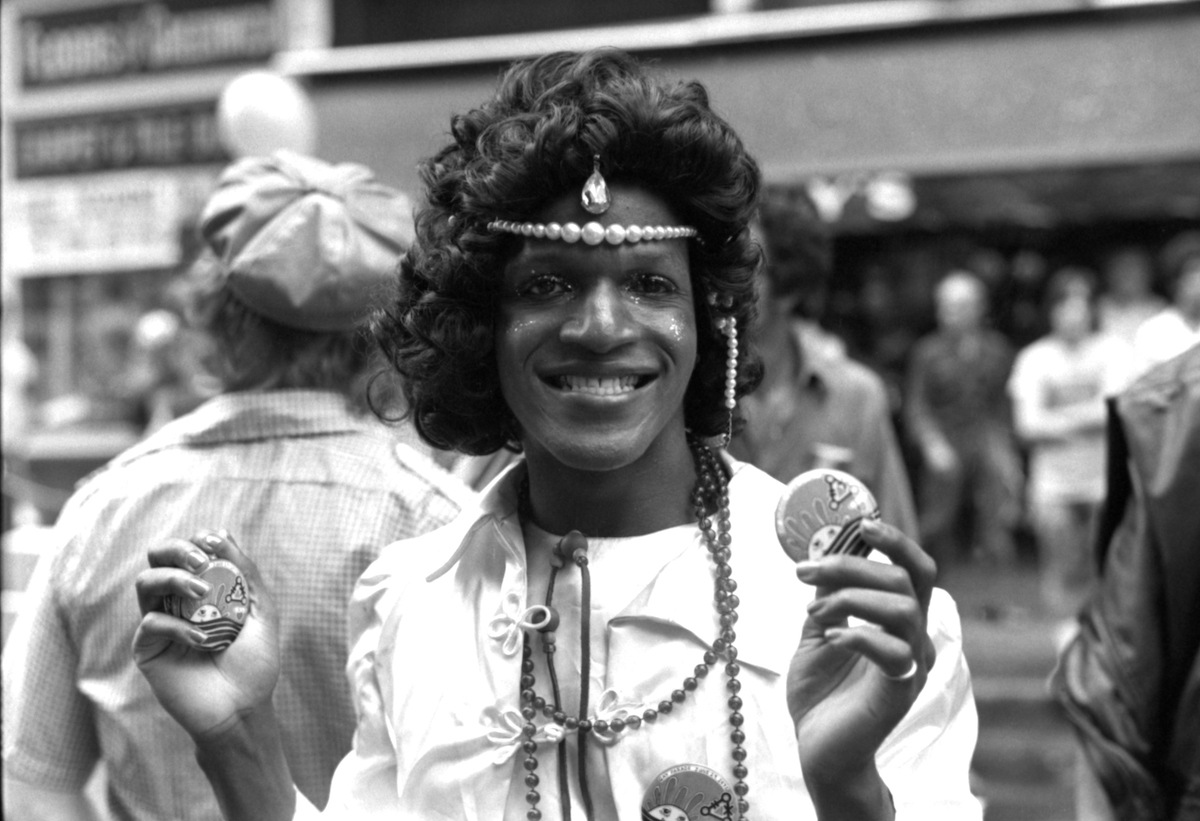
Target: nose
[(599, 320)]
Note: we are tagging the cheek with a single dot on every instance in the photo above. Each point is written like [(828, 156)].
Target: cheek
[(514, 332), (678, 334), (516, 337), (678, 331)]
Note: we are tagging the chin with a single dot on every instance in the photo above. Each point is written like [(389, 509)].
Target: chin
[(597, 451)]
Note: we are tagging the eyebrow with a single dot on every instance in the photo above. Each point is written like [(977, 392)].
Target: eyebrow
[(550, 251)]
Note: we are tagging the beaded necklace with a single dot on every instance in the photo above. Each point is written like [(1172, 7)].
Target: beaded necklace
[(710, 501)]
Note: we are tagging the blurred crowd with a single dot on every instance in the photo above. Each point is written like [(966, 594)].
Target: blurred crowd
[(998, 368)]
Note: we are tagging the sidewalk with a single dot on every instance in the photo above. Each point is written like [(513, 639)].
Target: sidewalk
[(1024, 759)]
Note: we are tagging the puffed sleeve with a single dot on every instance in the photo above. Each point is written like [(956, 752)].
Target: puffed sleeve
[(364, 784), (926, 760)]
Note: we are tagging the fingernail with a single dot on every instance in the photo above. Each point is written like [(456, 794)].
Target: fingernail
[(814, 606), (834, 633), (199, 587), (807, 570), (196, 560), (197, 636), (871, 526), (213, 540)]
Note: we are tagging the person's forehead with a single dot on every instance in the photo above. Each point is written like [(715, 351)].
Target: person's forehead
[(544, 252), (631, 205)]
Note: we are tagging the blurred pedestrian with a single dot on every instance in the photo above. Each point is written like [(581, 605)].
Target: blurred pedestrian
[(286, 457), (956, 410), (1127, 299), (815, 407), (1058, 387), (1130, 680), (1177, 327)]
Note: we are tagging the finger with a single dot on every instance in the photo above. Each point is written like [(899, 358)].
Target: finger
[(221, 545), (177, 553), (155, 584), (893, 656), (899, 615), (905, 553), (831, 573), (158, 631)]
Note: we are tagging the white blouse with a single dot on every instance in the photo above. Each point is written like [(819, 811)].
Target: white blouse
[(436, 668)]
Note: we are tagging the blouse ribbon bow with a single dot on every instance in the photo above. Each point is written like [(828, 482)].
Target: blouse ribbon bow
[(506, 734), (511, 620)]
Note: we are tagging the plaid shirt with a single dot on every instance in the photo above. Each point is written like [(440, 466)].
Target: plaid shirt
[(310, 491)]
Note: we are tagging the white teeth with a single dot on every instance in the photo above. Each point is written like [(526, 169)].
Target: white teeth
[(600, 387)]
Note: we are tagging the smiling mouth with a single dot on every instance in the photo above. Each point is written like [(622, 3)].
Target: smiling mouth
[(599, 386)]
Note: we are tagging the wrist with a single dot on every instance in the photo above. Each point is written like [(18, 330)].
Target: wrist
[(860, 796), (245, 764)]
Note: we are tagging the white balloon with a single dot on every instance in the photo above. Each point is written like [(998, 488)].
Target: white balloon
[(260, 112), (890, 197)]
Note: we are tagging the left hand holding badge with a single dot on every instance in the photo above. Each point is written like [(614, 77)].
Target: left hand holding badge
[(849, 685)]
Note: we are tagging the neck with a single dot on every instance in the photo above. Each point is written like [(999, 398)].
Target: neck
[(653, 493)]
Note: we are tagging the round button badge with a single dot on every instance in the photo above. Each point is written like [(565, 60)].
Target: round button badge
[(689, 792), (222, 612), (821, 512)]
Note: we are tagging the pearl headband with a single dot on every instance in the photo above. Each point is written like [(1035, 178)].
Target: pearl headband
[(595, 199), (592, 233)]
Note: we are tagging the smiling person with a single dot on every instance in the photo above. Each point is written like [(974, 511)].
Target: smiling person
[(614, 632)]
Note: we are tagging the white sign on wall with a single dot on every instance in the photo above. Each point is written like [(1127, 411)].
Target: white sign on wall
[(128, 220)]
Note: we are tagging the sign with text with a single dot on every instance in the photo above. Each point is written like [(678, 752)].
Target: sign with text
[(149, 138), (105, 222), (132, 38)]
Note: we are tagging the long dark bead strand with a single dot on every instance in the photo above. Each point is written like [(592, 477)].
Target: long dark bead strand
[(528, 731), (710, 502), (712, 493)]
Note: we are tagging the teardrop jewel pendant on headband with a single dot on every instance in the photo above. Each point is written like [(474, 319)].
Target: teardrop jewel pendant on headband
[(595, 197)]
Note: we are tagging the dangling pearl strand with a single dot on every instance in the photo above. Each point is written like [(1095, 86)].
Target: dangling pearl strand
[(711, 494), (728, 324)]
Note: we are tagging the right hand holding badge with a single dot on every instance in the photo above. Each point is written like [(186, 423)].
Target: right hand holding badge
[(195, 598)]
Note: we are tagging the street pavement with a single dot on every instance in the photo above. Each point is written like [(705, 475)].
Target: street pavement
[(1024, 761)]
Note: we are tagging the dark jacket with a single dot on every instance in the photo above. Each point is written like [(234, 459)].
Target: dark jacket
[(1130, 681)]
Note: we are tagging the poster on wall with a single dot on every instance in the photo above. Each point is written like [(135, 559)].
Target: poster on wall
[(128, 220)]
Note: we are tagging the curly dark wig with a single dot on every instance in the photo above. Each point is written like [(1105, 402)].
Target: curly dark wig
[(531, 143)]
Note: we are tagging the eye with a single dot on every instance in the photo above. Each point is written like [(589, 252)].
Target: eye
[(651, 284), (543, 285)]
